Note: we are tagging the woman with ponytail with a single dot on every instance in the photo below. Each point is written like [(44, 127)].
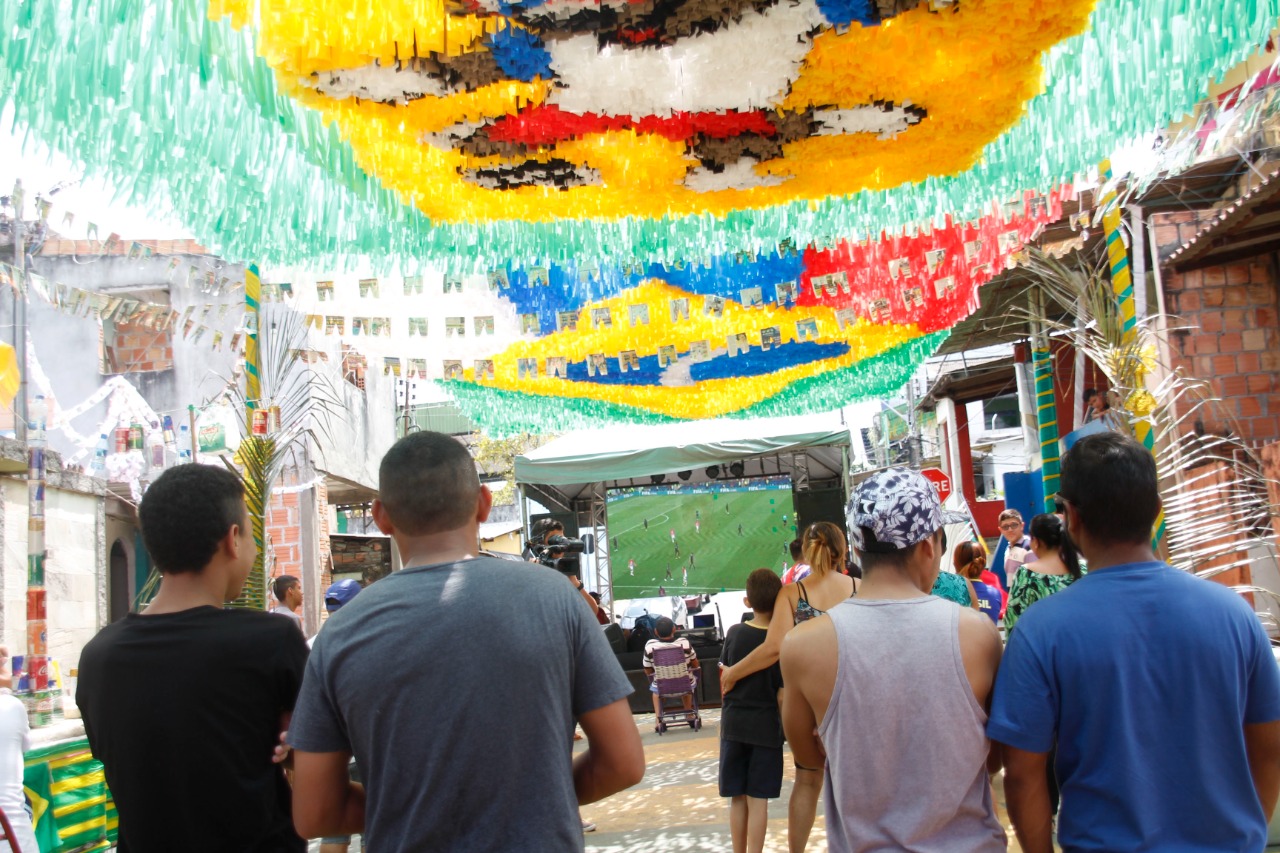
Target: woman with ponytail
[(970, 562), (824, 548), (1056, 567)]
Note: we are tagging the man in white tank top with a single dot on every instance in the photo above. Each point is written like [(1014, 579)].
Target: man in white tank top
[(892, 689)]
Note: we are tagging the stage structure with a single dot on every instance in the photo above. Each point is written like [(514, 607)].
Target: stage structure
[(571, 476)]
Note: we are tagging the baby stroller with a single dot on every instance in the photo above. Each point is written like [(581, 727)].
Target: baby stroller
[(673, 680)]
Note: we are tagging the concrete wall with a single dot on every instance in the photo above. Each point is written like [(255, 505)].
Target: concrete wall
[(67, 346), (363, 428), (75, 573)]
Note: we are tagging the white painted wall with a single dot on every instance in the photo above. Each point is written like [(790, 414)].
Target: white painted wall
[(71, 570)]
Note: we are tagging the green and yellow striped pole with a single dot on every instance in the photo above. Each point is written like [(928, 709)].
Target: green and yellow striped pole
[(255, 446), (1122, 287), (252, 367), (1046, 403)]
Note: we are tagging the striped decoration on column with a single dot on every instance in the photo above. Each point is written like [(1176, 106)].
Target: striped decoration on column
[(1046, 415), (252, 367), (1122, 287)]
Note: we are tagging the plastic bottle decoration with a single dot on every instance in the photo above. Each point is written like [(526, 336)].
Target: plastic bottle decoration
[(100, 456), (155, 448)]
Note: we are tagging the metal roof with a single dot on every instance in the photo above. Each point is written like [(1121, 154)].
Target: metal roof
[(1001, 315), (1246, 228)]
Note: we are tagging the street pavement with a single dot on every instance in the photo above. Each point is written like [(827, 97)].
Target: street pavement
[(677, 806)]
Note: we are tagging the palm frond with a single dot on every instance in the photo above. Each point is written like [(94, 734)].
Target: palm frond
[(307, 401), (1212, 485)]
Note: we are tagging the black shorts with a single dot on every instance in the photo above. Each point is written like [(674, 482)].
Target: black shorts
[(754, 771)]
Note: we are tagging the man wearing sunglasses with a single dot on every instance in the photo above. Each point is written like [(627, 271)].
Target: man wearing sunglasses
[(1014, 549)]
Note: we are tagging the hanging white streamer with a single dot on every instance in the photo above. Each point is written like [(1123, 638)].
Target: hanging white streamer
[(293, 490)]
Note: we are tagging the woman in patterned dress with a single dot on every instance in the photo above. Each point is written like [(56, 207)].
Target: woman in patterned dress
[(1056, 567)]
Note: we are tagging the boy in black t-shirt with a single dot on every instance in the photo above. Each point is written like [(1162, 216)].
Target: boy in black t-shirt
[(751, 724), (184, 702)]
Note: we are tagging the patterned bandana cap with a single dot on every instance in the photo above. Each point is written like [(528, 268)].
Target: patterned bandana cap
[(900, 507)]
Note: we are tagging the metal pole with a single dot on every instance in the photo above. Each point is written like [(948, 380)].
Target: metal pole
[(524, 514), (20, 311), (1139, 262), (913, 425)]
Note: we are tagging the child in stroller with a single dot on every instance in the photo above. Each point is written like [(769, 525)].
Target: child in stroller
[(673, 665)]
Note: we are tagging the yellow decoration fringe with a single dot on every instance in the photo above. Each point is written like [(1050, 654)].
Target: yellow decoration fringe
[(973, 71)]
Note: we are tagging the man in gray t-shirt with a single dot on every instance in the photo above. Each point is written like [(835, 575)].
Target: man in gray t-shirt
[(457, 683)]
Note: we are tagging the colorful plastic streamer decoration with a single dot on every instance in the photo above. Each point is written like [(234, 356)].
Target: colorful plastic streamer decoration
[(466, 134), (783, 333)]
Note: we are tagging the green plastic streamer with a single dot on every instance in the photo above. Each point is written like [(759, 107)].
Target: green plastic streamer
[(180, 114)]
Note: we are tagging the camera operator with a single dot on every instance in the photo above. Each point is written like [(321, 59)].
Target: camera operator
[(542, 528), (547, 545)]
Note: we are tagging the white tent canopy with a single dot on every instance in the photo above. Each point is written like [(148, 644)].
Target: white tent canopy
[(569, 466)]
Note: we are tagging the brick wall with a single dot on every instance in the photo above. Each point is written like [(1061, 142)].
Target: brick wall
[(1233, 339), (371, 556), (284, 535), (134, 348), (284, 531)]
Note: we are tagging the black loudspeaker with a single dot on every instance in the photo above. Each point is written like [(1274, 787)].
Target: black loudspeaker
[(617, 640), (820, 505)]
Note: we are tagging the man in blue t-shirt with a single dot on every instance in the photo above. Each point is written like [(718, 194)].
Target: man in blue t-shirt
[(1159, 688)]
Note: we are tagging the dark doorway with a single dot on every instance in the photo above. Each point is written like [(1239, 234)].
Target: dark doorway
[(120, 588)]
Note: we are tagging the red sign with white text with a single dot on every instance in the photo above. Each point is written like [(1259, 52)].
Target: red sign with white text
[(940, 481)]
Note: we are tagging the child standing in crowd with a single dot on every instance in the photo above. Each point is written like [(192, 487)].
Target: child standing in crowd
[(751, 724)]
